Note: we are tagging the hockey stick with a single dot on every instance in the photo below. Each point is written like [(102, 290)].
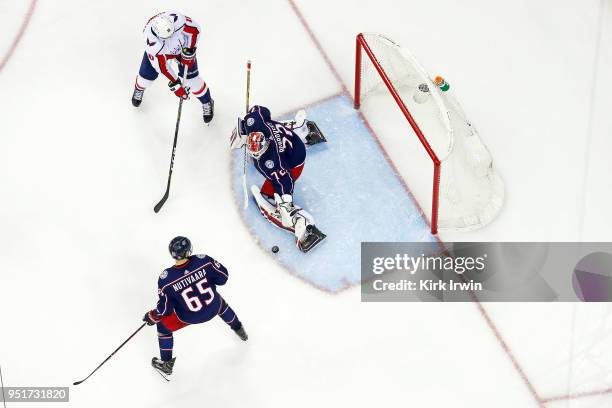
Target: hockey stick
[(161, 202), (244, 153), (112, 354)]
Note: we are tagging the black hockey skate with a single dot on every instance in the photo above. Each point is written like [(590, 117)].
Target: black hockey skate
[(314, 134), (164, 368), (312, 238), (137, 97), (241, 333), (208, 111)]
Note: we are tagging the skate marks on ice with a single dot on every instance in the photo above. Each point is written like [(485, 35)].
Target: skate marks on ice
[(352, 192)]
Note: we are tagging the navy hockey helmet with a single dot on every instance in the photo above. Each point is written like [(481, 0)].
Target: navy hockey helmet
[(180, 247)]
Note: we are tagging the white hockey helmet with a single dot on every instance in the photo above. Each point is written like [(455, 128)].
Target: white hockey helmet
[(162, 26)]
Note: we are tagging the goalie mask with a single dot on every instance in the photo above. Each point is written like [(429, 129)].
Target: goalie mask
[(257, 144)]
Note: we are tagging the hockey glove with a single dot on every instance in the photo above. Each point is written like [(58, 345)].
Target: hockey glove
[(188, 56), (238, 137), (178, 89), (151, 317)]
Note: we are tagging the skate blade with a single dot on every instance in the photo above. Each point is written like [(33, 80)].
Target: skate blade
[(163, 375)]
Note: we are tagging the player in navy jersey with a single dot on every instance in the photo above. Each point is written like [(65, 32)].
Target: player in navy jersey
[(188, 295), (279, 154)]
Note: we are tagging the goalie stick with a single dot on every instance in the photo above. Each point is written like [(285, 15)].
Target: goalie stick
[(244, 152)]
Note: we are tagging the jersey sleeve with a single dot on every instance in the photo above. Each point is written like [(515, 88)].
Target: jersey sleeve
[(218, 273), (163, 67), (164, 302), (192, 32), (159, 61)]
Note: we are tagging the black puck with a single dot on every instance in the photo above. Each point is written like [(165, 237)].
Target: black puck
[(275, 249)]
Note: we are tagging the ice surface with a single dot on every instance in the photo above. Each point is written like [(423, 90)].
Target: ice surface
[(81, 170)]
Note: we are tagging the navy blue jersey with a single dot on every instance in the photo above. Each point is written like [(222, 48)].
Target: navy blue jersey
[(285, 150), (190, 290)]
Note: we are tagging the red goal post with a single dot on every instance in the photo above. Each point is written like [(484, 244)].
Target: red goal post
[(361, 44), (467, 193)]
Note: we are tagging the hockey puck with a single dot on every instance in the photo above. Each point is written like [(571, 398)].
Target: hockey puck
[(275, 249)]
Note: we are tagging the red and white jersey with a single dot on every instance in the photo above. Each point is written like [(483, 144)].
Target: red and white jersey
[(161, 51)]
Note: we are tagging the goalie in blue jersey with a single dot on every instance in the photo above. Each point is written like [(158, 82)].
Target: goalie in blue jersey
[(279, 154)]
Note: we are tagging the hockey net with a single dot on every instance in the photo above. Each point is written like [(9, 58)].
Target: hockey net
[(467, 192)]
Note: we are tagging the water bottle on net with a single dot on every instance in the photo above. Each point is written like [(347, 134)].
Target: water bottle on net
[(441, 83)]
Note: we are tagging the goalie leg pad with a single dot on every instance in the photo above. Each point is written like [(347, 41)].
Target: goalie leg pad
[(306, 233), (267, 209)]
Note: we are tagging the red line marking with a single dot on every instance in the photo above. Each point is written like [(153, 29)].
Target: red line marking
[(483, 312), (17, 39), (539, 400), (317, 44), (509, 353), (397, 173), (578, 395)]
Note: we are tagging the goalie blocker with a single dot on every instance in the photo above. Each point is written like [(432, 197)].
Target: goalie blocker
[(279, 153)]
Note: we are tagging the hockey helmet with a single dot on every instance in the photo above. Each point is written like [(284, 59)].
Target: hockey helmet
[(162, 26), (257, 144), (180, 247)]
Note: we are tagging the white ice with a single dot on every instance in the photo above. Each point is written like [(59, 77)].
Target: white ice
[(81, 170)]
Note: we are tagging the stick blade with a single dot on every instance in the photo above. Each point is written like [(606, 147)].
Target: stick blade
[(245, 193), (77, 382), (161, 203)]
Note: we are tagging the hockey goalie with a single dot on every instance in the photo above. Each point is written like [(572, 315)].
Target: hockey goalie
[(278, 153)]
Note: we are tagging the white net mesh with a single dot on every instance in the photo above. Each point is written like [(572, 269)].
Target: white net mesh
[(471, 193)]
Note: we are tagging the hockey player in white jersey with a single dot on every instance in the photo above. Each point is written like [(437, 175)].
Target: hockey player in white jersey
[(173, 36)]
